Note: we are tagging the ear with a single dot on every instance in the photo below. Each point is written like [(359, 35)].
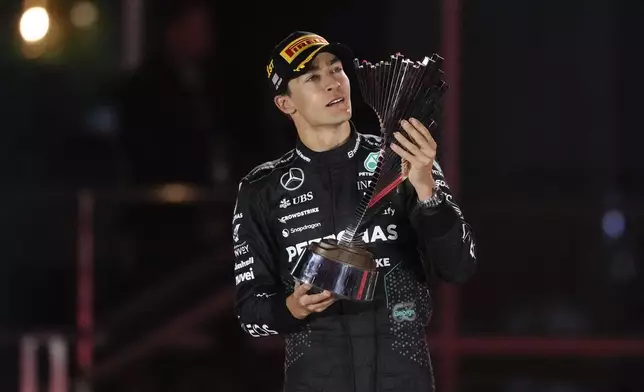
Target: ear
[(285, 104)]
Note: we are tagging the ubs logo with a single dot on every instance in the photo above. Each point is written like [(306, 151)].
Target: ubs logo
[(293, 179), (303, 198), (308, 196)]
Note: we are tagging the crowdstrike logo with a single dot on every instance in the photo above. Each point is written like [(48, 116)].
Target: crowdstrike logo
[(300, 214), (293, 179)]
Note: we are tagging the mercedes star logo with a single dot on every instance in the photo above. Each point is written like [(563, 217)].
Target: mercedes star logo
[(293, 179)]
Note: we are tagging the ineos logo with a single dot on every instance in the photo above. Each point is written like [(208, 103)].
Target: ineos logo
[(292, 180)]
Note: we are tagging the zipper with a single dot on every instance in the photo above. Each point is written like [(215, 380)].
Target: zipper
[(345, 324)]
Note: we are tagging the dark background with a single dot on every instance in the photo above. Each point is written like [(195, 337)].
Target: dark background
[(550, 159)]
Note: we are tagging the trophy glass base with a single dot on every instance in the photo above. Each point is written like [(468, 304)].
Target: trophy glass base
[(348, 272)]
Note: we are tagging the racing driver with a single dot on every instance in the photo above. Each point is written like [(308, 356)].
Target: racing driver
[(312, 193)]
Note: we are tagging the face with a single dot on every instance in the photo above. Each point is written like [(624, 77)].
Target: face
[(320, 97)]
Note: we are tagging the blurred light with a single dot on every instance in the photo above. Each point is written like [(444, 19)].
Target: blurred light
[(176, 193), (34, 24), (84, 14), (102, 119), (614, 223)]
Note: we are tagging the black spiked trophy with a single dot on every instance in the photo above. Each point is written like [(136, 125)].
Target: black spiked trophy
[(396, 89)]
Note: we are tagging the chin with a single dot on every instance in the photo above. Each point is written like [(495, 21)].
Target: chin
[(337, 120)]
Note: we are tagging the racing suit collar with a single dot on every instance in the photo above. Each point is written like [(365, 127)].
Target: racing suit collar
[(338, 155)]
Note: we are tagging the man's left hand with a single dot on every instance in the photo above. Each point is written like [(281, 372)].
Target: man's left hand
[(418, 160)]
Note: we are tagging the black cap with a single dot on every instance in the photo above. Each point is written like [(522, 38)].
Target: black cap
[(291, 56)]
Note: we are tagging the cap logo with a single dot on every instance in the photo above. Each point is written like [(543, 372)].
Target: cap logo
[(269, 69), (276, 81), (306, 60), (295, 47)]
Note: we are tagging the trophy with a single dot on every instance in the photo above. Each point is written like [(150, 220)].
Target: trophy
[(396, 89)]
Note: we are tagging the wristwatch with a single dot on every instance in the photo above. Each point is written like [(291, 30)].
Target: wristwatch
[(437, 197)]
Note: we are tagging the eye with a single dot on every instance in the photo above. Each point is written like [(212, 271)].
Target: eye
[(312, 77), (337, 69)]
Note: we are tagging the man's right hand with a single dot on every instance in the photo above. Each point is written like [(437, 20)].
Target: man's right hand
[(301, 304)]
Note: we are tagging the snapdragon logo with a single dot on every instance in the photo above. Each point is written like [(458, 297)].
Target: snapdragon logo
[(300, 229), (374, 234), (300, 214)]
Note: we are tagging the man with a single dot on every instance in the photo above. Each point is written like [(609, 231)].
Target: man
[(311, 193)]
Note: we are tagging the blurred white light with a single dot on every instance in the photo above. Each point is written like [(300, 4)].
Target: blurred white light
[(614, 223), (34, 24), (84, 14)]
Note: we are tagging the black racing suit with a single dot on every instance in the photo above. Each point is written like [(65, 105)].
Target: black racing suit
[(305, 196)]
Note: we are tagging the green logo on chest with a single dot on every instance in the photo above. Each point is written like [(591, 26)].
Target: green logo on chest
[(371, 161)]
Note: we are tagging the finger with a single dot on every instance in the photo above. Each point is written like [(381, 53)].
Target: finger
[(408, 144), (312, 299), (402, 153), (301, 289), (414, 160), (415, 135), (411, 148), (423, 131), (418, 136), (322, 305), (424, 154)]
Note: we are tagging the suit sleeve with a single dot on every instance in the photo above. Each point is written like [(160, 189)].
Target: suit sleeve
[(445, 238), (260, 296)]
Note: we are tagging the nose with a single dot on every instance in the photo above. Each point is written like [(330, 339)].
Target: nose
[(332, 85)]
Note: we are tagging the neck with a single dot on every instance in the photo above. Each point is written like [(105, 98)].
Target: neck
[(324, 138)]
